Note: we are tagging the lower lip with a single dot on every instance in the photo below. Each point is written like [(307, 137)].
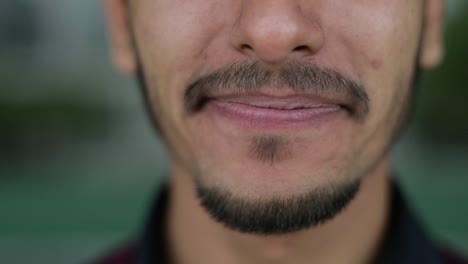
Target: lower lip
[(260, 117)]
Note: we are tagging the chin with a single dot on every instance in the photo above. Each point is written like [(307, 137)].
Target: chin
[(274, 201)]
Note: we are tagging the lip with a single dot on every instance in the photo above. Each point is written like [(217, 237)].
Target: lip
[(274, 112)]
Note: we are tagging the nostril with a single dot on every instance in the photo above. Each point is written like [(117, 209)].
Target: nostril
[(246, 47), (302, 48), (247, 50)]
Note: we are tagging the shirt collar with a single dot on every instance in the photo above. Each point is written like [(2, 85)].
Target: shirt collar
[(405, 241)]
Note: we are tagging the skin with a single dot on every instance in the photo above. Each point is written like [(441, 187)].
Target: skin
[(376, 43)]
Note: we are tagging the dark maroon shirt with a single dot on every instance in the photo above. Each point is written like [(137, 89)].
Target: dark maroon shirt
[(405, 241)]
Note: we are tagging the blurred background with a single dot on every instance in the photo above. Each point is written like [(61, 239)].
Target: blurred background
[(79, 161)]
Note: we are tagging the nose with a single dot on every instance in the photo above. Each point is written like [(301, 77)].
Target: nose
[(274, 31)]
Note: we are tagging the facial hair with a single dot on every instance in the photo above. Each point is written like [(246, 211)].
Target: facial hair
[(276, 215)]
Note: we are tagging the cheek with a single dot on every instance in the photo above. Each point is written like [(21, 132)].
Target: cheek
[(377, 33), (379, 40), (173, 38), (176, 32)]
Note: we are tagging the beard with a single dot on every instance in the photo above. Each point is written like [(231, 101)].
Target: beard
[(274, 214), (277, 215)]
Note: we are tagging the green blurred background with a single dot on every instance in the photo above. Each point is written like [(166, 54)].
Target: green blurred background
[(79, 161)]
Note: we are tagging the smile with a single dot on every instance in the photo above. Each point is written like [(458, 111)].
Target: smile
[(274, 112)]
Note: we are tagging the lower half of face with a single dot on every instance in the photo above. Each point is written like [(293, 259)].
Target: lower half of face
[(268, 141), (255, 161), (260, 148), (262, 168)]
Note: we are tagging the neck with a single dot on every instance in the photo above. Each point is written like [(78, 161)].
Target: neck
[(353, 236)]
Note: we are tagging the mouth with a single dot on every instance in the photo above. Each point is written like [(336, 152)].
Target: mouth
[(263, 111)]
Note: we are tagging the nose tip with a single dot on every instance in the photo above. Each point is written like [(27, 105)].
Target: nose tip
[(275, 31)]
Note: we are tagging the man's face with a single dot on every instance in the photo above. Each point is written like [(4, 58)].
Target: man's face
[(271, 100)]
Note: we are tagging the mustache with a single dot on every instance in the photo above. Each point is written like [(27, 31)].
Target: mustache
[(300, 77)]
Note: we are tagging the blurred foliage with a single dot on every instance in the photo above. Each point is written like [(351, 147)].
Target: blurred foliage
[(44, 124), (67, 116), (442, 115)]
